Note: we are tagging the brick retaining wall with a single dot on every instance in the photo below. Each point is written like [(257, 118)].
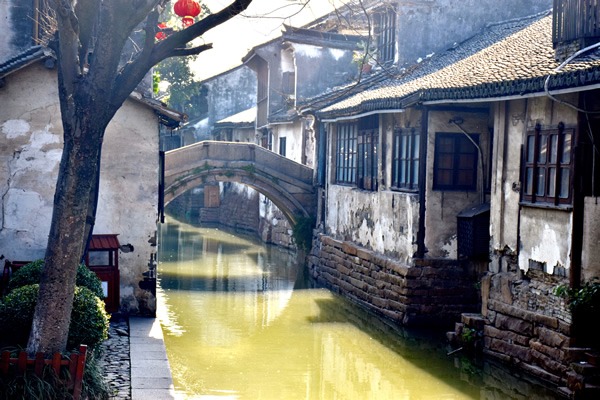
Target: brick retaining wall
[(431, 292), (527, 325)]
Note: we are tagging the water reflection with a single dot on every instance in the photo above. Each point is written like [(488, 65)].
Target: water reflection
[(240, 323)]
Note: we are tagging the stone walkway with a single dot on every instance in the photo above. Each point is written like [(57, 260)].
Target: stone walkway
[(135, 361), (116, 360)]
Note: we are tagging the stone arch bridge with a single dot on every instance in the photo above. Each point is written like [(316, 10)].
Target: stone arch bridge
[(288, 184)]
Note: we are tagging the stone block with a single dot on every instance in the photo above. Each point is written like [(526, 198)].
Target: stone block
[(517, 325), (349, 248), (521, 353), (551, 338), (364, 254)]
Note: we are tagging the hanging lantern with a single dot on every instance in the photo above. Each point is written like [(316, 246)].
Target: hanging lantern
[(187, 10)]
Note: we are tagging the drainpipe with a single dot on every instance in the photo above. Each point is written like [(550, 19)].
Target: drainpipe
[(421, 250), (457, 121)]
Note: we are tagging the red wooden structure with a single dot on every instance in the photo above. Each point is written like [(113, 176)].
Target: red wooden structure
[(74, 364), (103, 259)]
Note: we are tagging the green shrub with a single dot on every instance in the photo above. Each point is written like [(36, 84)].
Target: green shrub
[(31, 274), (302, 232), (16, 314), (89, 320)]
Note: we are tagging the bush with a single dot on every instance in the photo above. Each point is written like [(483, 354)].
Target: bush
[(31, 274), (16, 314), (89, 320)]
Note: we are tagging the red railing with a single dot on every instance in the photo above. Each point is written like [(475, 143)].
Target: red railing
[(575, 20), (74, 364)]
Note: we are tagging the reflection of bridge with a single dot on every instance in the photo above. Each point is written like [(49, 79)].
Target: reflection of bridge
[(287, 184)]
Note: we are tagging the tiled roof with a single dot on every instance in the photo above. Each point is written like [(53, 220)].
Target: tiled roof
[(507, 59), (104, 242), (23, 59), (242, 119)]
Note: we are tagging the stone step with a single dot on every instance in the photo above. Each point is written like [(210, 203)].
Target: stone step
[(473, 320)]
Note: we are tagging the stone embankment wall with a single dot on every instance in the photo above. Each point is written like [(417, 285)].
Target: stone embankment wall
[(239, 209), (526, 323), (431, 292), (243, 208)]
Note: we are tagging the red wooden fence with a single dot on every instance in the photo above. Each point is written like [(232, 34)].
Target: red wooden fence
[(75, 365)]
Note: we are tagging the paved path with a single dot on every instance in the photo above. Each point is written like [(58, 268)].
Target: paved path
[(150, 371)]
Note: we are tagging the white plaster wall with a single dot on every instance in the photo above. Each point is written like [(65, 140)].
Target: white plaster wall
[(545, 238), (384, 221), (129, 192), (509, 126), (442, 207), (293, 134), (30, 151)]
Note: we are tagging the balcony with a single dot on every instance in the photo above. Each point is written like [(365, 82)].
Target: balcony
[(575, 22)]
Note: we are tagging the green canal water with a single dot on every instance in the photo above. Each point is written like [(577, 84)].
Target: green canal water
[(241, 321)]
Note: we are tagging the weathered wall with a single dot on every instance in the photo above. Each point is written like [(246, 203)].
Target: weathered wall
[(228, 94), (384, 221), (591, 239), (542, 229), (526, 323), (443, 206), (430, 292), (30, 152), (239, 207), (440, 23), (321, 68), (509, 120), (293, 134), (273, 226), (17, 19)]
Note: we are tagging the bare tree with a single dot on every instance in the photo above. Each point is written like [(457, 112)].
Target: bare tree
[(93, 83)]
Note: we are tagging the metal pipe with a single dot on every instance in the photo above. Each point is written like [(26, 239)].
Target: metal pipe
[(482, 177)]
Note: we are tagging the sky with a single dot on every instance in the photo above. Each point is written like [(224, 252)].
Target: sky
[(262, 21)]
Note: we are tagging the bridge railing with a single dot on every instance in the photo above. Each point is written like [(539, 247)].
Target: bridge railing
[(182, 158)]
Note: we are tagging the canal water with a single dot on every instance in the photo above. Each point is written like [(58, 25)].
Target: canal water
[(241, 321)]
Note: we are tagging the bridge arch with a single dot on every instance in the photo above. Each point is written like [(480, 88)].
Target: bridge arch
[(289, 185)]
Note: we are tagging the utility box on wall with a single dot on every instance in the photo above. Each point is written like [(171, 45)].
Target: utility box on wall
[(103, 259), (473, 232)]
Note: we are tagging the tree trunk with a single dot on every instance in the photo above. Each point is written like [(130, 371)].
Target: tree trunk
[(78, 173)]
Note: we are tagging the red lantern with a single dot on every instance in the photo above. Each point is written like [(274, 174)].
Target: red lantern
[(187, 10), (160, 35)]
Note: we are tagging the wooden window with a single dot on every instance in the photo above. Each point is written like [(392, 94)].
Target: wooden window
[(548, 164), (385, 34), (368, 139), (346, 153), (405, 159), (455, 162)]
